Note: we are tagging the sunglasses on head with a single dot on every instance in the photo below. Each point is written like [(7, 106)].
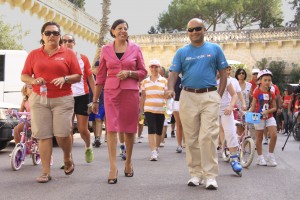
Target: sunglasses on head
[(48, 33), (67, 41), (198, 28)]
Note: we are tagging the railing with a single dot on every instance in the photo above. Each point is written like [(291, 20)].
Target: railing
[(261, 35)]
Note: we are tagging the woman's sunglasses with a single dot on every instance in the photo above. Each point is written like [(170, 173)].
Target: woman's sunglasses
[(67, 41), (48, 33)]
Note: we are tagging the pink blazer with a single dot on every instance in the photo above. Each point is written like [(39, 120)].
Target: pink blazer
[(110, 65)]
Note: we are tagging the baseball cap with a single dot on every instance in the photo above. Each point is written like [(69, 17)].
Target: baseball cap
[(255, 70), (154, 62)]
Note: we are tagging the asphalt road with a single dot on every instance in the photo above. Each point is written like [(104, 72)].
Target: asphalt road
[(164, 179)]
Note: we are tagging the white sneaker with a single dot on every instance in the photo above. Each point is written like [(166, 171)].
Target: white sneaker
[(153, 156), (211, 184), (139, 140), (162, 144), (261, 161), (271, 162), (179, 149), (266, 141), (195, 181)]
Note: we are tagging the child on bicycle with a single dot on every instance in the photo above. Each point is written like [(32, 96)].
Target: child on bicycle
[(264, 102), (26, 92)]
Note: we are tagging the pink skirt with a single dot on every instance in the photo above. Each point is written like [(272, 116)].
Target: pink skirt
[(121, 110)]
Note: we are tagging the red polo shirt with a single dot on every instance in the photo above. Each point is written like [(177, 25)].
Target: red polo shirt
[(60, 64)]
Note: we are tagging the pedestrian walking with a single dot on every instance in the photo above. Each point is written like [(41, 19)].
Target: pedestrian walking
[(199, 62)]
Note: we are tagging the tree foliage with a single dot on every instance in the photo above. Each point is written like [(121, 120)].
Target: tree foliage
[(265, 13), (10, 36), (295, 74), (277, 68), (104, 27), (241, 13), (295, 6), (78, 3)]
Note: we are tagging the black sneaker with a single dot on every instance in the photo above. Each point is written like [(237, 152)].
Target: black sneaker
[(97, 143), (172, 134)]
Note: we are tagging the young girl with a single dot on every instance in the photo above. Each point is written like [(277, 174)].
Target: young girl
[(264, 102), (26, 92)]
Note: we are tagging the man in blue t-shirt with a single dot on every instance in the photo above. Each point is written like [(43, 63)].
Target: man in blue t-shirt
[(199, 62)]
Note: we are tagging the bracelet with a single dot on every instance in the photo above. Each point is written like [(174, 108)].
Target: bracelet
[(95, 101), (130, 73)]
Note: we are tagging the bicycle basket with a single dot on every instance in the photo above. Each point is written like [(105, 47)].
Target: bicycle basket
[(252, 118)]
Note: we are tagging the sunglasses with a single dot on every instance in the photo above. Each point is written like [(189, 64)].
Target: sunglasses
[(254, 73), (48, 33), (198, 28), (242, 73), (67, 41), (154, 66)]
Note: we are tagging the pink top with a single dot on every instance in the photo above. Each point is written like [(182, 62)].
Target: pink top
[(110, 65)]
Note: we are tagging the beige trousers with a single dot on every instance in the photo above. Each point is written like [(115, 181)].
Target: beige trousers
[(199, 116)]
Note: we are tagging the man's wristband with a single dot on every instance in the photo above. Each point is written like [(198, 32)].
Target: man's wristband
[(130, 73)]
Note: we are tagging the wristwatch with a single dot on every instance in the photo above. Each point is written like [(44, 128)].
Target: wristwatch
[(66, 79)]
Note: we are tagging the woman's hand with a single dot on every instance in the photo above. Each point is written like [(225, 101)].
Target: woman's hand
[(38, 81), (59, 81), (123, 74)]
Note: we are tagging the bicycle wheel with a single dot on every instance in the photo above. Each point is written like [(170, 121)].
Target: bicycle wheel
[(226, 154), (296, 132), (16, 158), (247, 152), (36, 157)]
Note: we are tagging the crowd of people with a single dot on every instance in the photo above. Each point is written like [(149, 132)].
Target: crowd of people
[(119, 93)]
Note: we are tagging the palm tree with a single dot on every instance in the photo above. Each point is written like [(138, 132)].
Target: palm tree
[(104, 27)]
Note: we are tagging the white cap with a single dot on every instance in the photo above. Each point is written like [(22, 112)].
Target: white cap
[(154, 62), (255, 70)]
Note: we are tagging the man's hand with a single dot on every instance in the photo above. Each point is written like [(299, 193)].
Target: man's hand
[(169, 94)]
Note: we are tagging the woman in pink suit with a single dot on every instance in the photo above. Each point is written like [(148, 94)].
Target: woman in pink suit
[(121, 69)]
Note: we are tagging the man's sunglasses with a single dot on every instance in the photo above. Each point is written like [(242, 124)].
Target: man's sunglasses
[(55, 33), (67, 41), (198, 28)]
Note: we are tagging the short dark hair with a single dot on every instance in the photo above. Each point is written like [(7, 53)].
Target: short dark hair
[(115, 24), (50, 24), (238, 71)]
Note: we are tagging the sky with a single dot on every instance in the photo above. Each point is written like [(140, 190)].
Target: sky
[(140, 14)]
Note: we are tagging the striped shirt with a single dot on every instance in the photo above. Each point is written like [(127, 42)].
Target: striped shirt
[(154, 100)]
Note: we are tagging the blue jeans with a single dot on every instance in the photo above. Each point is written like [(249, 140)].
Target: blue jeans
[(287, 120)]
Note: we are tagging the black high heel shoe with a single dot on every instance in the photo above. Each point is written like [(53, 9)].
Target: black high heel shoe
[(130, 174), (113, 181)]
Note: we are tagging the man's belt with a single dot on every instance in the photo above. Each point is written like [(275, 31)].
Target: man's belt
[(201, 90)]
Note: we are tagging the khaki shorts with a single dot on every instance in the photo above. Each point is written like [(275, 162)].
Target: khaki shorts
[(53, 119)]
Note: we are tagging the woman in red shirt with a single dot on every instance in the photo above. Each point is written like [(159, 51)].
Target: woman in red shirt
[(56, 68)]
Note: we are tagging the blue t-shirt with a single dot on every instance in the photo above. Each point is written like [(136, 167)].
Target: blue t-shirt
[(199, 65)]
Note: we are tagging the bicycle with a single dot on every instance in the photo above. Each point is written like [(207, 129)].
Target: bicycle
[(246, 146), (27, 146)]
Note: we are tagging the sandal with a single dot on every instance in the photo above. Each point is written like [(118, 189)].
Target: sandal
[(69, 167), (113, 180), (130, 174), (44, 178)]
